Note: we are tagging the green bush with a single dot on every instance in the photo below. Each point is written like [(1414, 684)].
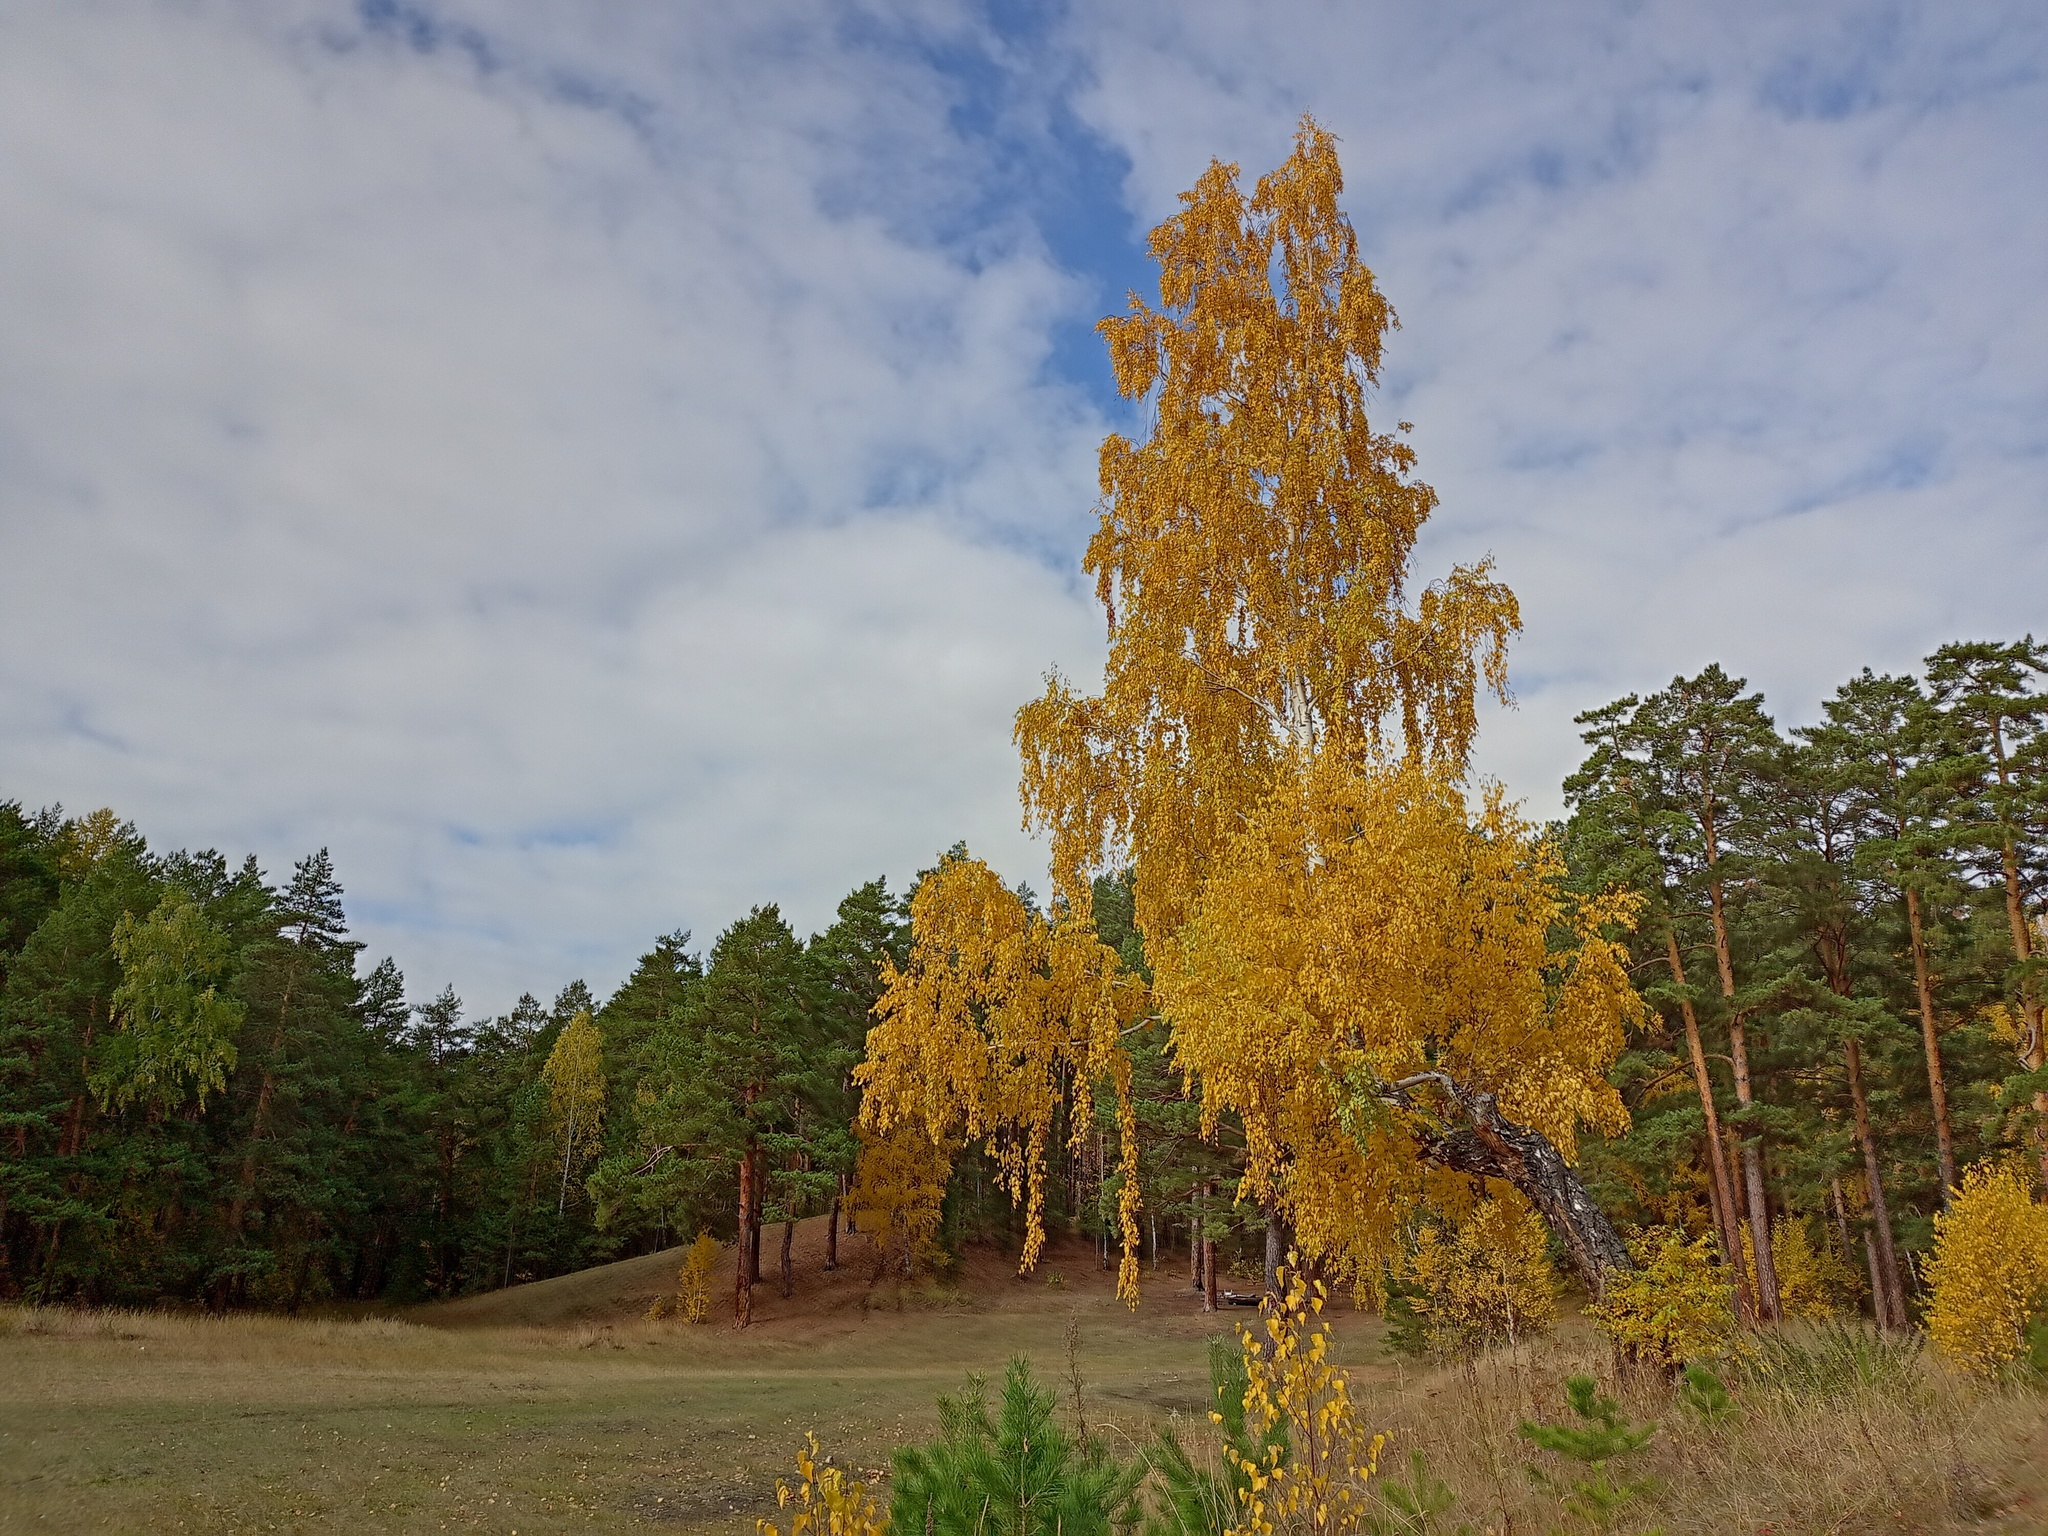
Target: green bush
[(1017, 1474)]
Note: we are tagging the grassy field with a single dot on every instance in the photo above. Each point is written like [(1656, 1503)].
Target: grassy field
[(557, 1407), (551, 1407)]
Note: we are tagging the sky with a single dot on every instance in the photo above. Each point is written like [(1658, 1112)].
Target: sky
[(599, 467)]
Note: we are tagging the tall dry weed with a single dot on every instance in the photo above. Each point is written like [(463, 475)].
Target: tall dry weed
[(1849, 1446)]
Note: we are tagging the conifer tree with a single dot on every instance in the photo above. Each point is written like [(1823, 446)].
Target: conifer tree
[(1700, 748), (1994, 714)]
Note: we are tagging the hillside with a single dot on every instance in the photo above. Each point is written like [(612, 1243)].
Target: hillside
[(984, 1278)]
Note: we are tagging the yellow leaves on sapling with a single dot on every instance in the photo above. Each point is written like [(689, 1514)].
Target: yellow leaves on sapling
[(1312, 1477), (1989, 1273), (825, 1502)]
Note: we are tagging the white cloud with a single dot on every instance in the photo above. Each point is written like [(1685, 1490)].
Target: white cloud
[(596, 467), (525, 462)]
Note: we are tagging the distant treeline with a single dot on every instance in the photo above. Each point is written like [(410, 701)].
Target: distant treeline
[(204, 1096)]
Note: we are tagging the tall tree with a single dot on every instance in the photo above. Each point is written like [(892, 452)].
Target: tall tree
[(1617, 837), (1819, 813), (1882, 726), (1705, 743), (1995, 713), (576, 1092), (1254, 563)]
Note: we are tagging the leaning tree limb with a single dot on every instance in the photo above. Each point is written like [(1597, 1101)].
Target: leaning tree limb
[(1492, 1146)]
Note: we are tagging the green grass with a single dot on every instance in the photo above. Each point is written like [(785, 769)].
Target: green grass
[(549, 1408)]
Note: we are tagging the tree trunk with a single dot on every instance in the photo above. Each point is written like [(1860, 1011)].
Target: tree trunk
[(788, 1274), (259, 1125), (757, 1183), (567, 1152), (1768, 1306), (1276, 1249), (1209, 1300), (1841, 1217), (832, 1232), (1890, 1299), (1720, 1180), (742, 1277), (2033, 1052), (1937, 1083), (1494, 1147)]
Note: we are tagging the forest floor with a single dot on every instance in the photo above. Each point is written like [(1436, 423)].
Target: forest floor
[(558, 1407)]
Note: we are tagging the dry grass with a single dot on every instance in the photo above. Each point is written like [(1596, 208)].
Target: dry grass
[(1927, 1452), (560, 1408)]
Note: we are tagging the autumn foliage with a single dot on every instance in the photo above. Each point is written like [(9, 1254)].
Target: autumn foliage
[(1989, 1273), (1363, 927), (1677, 1305), (987, 1029), (1310, 1457)]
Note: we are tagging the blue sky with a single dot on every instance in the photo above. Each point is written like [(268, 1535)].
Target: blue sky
[(599, 467)]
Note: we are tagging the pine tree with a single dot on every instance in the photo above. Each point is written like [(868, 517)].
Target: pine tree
[(1994, 715)]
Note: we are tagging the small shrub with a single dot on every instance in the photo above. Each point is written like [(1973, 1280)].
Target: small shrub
[(1017, 1474), (1489, 1282), (1989, 1273), (1308, 1460), (1600, 1437), (828, 1502), (1194, 1501), (693, 1280), (1704, 1397), (1411, 1507), (1677, 1305)]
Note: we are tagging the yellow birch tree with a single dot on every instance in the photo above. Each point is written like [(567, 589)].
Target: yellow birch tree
[(999, 1018), (1378, 983), (576, 1091)]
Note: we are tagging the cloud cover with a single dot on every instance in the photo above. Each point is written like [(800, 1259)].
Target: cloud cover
[(597, 468)]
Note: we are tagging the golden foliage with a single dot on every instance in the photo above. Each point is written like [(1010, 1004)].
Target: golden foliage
[(997, 1019), (83, 841), (1315, 1479), (576, 1087), (1253, 553), (827, 1502), (1488, 1281), (1813, 1279), (1677, 1305), (1989, 1273), (899, 1185), (1363, 927), (693, 1280)]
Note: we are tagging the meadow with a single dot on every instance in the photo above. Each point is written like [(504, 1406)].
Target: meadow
[(558, 1406)]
